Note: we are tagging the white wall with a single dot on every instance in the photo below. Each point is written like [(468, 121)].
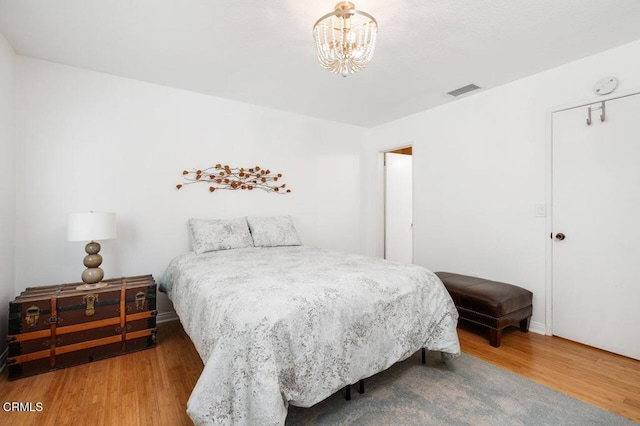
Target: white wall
[(91, 141), (7, 184), (87, 140), (480, 169)]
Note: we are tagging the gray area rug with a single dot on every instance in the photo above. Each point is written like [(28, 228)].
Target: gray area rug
[(464, 391)]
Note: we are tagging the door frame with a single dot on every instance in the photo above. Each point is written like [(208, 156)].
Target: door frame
[(549, 192), (382, 181)]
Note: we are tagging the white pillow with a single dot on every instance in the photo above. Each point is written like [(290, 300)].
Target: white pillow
[(219, 234), (273, 231)]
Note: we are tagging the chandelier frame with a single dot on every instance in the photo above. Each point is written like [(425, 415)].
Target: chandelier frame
[(351, 51)]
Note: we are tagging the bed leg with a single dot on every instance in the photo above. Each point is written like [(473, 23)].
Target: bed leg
[(347, 395), (424, 356), (361, 386)]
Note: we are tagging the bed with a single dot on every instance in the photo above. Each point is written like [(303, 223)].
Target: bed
[(280, 325)]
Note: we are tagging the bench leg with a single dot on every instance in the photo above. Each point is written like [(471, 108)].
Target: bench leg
[(524, 324), (494, 337), (424, 356), (361, 386)]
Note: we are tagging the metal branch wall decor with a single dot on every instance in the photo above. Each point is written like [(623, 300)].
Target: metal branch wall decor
[(225, 177)]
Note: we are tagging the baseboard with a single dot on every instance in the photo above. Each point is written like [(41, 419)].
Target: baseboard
[(166, 317), (537, 327), (534, 327), (3, 359)]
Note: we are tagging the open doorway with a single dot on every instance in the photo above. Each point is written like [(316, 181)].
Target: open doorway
[(398, 205)]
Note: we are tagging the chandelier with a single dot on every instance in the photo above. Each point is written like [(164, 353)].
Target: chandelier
[(345, 39)]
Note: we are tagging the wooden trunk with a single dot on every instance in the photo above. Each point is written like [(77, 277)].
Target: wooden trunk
[(59, 326)]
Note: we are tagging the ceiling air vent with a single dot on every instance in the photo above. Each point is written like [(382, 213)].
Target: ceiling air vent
[(462, 90)]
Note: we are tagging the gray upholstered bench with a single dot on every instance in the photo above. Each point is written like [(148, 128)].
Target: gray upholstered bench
[(492, 304)]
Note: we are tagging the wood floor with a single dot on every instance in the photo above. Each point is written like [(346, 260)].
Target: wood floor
[(152, 387), (598, 377)]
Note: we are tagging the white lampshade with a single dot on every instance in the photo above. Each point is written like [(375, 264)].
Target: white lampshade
[(91, 226)]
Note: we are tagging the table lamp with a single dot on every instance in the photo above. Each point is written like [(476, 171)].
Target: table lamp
[(90, 227)]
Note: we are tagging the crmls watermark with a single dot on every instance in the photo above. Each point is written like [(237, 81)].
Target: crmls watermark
[(30, 407)]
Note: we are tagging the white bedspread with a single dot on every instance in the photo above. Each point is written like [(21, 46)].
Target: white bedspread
[(293, 325)]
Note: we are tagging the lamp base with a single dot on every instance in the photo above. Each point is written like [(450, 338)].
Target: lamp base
[(85, 287), (92, 276)]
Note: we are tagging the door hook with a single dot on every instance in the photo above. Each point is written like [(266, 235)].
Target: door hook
[(589, 118), (602, 116)]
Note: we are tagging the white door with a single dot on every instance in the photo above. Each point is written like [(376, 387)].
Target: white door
[(596, 206), (398, 208)]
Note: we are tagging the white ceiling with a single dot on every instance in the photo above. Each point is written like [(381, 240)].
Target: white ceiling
[(262, 51)]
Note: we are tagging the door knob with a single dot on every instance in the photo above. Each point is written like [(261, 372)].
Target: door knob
[(560, 236)]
